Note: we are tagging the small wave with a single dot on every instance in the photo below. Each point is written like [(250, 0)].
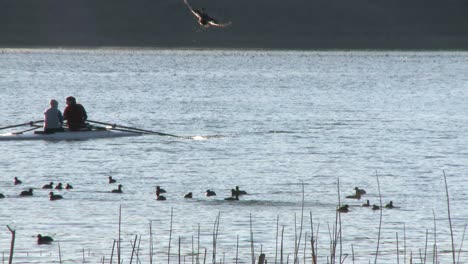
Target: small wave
[(205, 137), (280, 132)]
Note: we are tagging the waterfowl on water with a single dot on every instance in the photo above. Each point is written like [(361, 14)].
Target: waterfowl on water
[(389, 205), (355, 196), (240, 192), (2, 196), (68, 187), (112, 180), (27, 193), (54, 197), (17, 181), (204, 19), (209, 193), (44, 239), (59, 186), (118, 190), (360, 191), (48, 186), (159, 190), (367, 204), (161, 198), (234, 196), (375, 207), (188, 195), (343, 209)]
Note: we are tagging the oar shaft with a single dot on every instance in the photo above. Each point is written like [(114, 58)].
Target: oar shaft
[(132, 128), (24, 124)]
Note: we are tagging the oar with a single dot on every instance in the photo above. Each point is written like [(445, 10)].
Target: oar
[(133, 128), (24, 124), (27, 130)]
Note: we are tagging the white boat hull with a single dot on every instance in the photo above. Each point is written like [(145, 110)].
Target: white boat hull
[(67, 135)]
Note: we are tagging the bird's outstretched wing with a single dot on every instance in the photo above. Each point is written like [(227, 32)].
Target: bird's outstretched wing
[(195, 12), (204, 19), (216, 24)]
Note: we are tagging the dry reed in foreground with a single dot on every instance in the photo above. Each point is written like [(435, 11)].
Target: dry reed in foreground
[(305, 248)]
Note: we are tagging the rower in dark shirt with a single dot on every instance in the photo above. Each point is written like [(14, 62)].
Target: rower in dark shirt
[(75, 114)]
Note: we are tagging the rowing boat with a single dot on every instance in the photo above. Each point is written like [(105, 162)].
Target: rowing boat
[(69, 135)]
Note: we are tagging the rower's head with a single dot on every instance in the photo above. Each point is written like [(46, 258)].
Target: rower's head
[(53, 103), (71, 100)]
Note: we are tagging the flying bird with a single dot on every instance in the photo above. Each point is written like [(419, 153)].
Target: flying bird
[(204, 19)]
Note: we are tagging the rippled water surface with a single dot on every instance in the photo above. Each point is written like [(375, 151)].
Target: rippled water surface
[(277, 124)]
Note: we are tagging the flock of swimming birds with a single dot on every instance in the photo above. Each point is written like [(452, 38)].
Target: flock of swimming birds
[(357, 195), (235, 193)]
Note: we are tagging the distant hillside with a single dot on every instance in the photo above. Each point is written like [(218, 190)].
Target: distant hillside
[(290, 24)]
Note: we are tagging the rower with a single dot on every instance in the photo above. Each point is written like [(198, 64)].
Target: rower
[(75, 114)]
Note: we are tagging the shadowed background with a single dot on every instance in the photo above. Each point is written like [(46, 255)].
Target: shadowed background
[(292, 24)]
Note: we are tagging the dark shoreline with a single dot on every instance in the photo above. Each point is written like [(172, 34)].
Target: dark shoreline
[(262, 24)]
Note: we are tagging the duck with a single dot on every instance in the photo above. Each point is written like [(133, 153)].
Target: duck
[(343, 209), (118, 190), (240, 192), (367, 204), (375, 207), (161, 198), (360, 191), (112, 180), (48, 186), (234, 196), (68, 187), (54, 197), (389, 205), (17, 181), (44, 239), (2, 196), (209, 193), (355, 196), (204, 19), (159, 190), (27, 193), (59, 186), (188, 196)]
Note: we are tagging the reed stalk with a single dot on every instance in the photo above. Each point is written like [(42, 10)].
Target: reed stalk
[(397, 248), (380, 220), (112, 253), (276, 239), (461, 244), (12, 244), (60, 254), (151, 242), (118, 241), (434, 254), (305, 247), (237, 249), (296, 260), (425, 246), (449, 217), (133, 249), (198, 245), (252, 250), (215, 236), (281, 247), (404, 243), (170, 238)]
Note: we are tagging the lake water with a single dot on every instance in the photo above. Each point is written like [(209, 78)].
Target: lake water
[(278, 124)]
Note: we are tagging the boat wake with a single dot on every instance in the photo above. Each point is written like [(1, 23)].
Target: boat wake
[(205, 137)]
